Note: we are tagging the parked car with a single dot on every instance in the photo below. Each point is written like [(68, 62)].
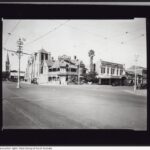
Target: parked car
[(142, 86), (115, 83), (14, 80)]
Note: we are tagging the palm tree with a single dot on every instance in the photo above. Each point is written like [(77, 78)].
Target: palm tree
[(91, 55)]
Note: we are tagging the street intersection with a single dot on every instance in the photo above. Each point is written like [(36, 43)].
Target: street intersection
[(72, 107)]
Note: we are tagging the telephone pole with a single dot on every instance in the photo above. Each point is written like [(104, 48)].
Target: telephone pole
[(135, 84), (19, 53), (79, 73)]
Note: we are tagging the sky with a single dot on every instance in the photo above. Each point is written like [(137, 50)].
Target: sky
[(112, 40)]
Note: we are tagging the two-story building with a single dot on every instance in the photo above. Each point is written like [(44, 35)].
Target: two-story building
[(141, 75), (46, 70), (109, 72)]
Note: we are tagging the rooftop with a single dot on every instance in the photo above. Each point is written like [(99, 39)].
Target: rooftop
[(42, 51), (62, 63), (111, 63), (137, 67), (49, 62)]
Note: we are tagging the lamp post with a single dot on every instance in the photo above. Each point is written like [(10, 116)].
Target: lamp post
[(19, 52), (136, 59)]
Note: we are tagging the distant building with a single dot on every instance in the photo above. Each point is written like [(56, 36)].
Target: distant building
[(6, 73), (141, 75), (46, 70), (14, 75), (109, 72)]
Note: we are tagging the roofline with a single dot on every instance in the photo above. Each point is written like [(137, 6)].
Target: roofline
[(111, 62)]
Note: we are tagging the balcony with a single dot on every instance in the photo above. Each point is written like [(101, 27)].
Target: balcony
[(62, 73)]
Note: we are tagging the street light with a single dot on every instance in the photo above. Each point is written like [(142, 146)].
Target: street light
[(19, 52)]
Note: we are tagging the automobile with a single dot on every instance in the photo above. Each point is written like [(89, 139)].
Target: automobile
[(34, 81), (115, 83), (14, 80), (143, 86)]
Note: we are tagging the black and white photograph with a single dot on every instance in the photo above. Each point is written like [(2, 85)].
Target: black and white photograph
[(74, 74)]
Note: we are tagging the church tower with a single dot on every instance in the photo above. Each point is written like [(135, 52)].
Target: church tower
[(7, 63)]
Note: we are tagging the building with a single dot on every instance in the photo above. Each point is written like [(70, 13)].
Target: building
[(6, 73), (110, 73), (46, 70), (14, 75), (35, 65), (141, 75)]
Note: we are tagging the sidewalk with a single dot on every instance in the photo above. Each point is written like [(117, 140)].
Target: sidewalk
[(25, 82), (142, 92)]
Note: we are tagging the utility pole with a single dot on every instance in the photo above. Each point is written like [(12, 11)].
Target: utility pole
[(19, 52), (79, 73), (135, 84)]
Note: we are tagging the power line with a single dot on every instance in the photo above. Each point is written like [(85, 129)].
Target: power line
[(12, 30), (15, 26), (125, 33), (83, 30), (105, 38), (134, 38), (42, 36), (15, 51)]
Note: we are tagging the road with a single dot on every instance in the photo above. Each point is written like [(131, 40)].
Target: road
[(72, 107)]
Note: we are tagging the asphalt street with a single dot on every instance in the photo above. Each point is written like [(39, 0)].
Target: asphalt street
[(72, 107)]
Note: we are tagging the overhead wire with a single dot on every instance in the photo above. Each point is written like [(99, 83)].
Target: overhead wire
[(45, 34), (98, 35), (105, 38), (12, 30)]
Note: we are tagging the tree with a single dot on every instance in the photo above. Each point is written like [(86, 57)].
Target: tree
[(91, 55), (91, 77)]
